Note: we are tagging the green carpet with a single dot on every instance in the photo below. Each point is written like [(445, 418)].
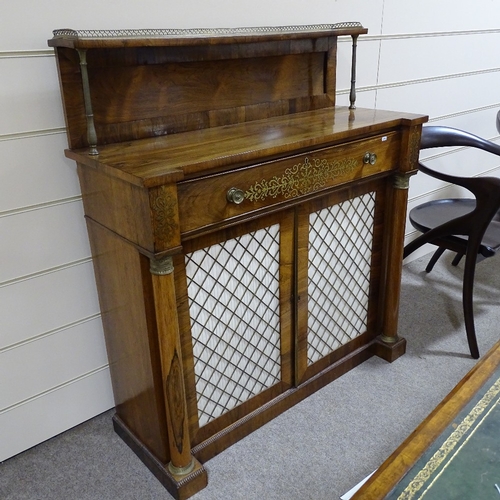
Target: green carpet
[(464, 463)]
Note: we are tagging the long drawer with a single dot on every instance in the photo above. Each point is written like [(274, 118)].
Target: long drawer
[(214, 199)]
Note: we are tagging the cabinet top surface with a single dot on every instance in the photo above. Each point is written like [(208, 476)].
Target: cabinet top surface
[(171, 158), (177, 37)]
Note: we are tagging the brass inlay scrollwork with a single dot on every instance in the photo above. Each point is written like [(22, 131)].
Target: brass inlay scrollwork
[(414, 147), (302, 178), (164, 211)]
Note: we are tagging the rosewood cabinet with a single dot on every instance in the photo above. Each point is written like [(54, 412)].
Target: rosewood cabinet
[(247, 233)]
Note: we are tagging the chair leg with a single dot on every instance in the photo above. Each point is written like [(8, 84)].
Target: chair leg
[(457, 259), (429, 237), (467, 298), (434, 259)]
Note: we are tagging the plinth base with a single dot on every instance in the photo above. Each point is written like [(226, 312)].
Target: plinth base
[(180, 487), (389, 351)]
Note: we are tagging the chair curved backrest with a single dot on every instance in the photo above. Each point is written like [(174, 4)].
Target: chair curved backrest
[(485, 189), (471, 223), (438, 136)]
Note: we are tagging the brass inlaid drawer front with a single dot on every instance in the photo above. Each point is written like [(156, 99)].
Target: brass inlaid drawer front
[(303, 178), (220, 197)]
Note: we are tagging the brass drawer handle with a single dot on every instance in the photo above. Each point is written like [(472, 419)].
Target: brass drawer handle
[(235, 195), (370, 158)]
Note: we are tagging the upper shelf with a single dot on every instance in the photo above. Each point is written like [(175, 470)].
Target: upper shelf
[(124, 85)]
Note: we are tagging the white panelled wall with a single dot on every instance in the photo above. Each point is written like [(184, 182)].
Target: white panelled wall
[(438, 58)]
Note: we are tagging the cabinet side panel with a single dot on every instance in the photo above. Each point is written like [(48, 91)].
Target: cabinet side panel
[(117, 205), (130, 337)]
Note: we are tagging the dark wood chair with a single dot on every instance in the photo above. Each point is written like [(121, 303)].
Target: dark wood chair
[(468, 226)]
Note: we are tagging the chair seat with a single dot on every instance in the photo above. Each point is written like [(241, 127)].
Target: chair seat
[(437, 212)]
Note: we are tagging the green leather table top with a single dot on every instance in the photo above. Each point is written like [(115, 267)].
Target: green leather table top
[(464, 462)]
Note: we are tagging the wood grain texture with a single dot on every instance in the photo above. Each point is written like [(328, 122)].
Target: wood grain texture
[(156, 161), (169, 344), (182, 88), (396, 219), (133, 359)]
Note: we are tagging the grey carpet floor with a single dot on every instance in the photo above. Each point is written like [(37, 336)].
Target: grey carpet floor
[(318, 449)]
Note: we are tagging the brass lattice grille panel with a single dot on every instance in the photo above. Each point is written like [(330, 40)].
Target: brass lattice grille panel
[(340, 248), (233, 290)]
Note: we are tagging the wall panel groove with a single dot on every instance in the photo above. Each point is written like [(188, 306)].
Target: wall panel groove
[(428, 34), (494, 106), (44, 335), (38, 419), (10, 54), (419, 81), (40, 206), (45, 272), (32, 133), (55, 388)]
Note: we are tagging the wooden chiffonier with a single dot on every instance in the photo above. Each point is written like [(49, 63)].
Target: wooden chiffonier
[(247, 233)]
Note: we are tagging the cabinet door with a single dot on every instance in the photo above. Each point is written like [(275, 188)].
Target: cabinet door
[(234, 300), (338, 263)]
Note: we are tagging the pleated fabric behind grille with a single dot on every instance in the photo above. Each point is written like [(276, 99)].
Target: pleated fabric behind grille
[(340, 249), (233, 290)]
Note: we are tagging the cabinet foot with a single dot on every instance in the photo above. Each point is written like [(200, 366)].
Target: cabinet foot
[(180, 487), (389, 351)]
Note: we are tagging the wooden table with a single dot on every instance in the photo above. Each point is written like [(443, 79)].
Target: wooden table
[(448, 423)]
